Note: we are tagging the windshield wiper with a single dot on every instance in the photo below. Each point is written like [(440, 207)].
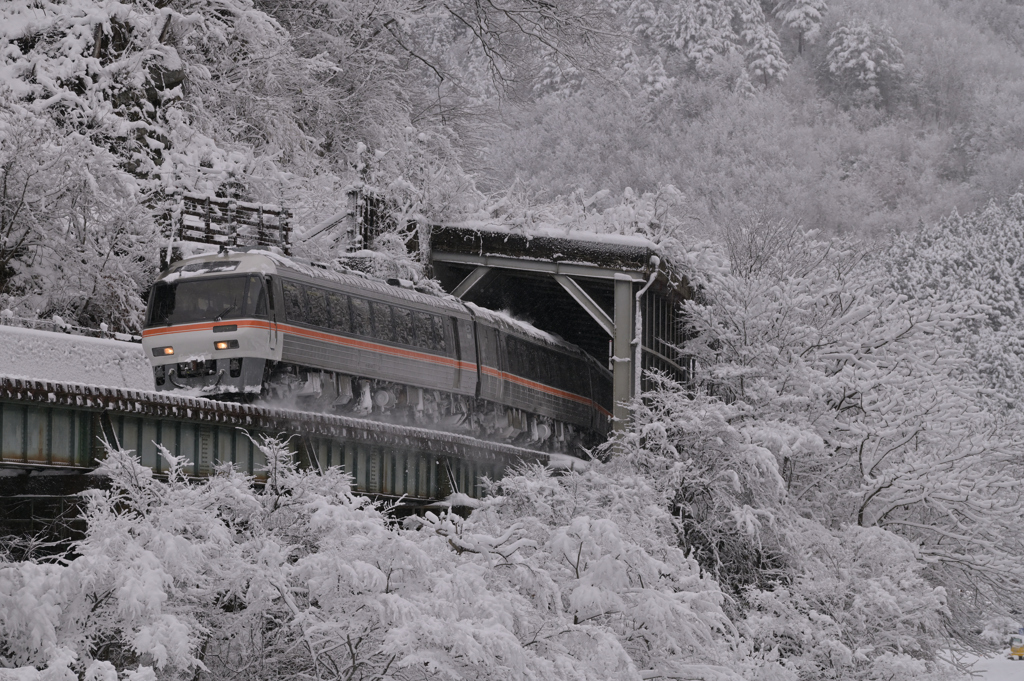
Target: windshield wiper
[(226, 310)]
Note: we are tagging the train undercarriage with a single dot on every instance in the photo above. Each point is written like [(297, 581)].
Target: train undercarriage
[(305, 389)]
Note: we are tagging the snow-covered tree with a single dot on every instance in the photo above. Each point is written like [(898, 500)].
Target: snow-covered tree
[(275, 102), (864, 63), (574, 577), (975, 260), (702, 31), (803, 16), (75, 236), (829, 411), (764, 54)]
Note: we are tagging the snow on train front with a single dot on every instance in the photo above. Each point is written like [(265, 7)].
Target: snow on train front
[(209, 325)]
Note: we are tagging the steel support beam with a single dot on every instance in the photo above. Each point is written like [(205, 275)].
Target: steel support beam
[(587, 303), (471, 280), (622, 368), (537, 266)]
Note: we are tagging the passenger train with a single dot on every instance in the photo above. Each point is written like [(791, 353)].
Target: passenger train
[(245, 324)]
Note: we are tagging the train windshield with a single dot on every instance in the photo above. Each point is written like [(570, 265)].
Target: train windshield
[(208, 299)]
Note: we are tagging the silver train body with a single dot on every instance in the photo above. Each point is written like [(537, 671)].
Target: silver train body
[(254, 325)]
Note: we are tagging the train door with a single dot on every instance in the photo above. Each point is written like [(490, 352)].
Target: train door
[(501, 362), (458, 352), (272, 309), (468, 348), (478, 347)]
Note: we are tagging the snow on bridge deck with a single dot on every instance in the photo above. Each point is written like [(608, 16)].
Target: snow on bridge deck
[(49, 356)]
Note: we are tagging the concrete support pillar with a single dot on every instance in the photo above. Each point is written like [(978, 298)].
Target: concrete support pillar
[(622, 369)]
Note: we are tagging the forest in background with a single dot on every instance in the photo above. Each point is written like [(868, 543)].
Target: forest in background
[(834, 495), (856, 118)]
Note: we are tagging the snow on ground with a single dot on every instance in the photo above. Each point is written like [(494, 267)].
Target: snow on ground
[(999, 669), (48, 356)]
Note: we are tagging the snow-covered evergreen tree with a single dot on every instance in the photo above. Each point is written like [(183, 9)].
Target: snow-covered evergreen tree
[(803, 16), (975, 261), (864, 63), (702, 31), (764, 54)]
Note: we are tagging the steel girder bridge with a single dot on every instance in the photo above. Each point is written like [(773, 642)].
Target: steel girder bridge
[(53, 433)]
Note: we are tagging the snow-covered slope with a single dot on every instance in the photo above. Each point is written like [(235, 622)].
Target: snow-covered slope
[(1000, 669), (48, 356)]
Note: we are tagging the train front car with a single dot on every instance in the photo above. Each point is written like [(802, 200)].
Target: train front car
[(209, 326)]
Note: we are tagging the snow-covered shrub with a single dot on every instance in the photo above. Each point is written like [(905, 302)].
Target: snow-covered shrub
[(598, 555), (835, 464), (709, 465), (859, 607), (575, 577)]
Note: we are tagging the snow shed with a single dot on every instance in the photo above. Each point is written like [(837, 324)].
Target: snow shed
[(590, 289)]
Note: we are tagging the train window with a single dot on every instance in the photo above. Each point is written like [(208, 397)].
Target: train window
[(547, 367), (522, 359), (319, 313), (438, 325), (424, 330), (517, 357), (361, 317), (383, 327), (294, 301), (466, 335), (549, 371), (197, 300), (559, 369), (511, 355), (574, 380), (270, 292), (599, 386), (403, 325), (256, 298), (340, 318), (578, 382), (536, 355)]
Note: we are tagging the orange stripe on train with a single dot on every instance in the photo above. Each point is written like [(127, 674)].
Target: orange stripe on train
[(206, 326)]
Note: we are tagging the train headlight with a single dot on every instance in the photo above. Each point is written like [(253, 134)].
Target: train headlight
[(226, 345), (160, 352)]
